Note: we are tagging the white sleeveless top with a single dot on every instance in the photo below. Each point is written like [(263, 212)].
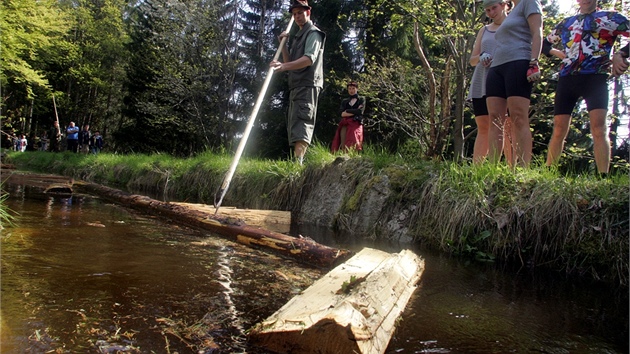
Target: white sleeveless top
[(478, 80)]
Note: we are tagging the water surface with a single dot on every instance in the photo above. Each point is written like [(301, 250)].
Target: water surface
[(83, 276)]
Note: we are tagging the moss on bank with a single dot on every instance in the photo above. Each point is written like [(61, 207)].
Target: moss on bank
[(532, 217)]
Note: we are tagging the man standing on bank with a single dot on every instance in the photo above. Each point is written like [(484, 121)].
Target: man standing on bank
[(54, 136), (72, 138), (304, 62), (587, 39)]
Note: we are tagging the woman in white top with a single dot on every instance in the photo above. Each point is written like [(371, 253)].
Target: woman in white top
[(22, 143), (481, 59)]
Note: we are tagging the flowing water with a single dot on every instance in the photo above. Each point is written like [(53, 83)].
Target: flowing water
[(83, 276)]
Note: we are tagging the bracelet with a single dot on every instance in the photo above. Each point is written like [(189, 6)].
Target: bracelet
[(533, 60)]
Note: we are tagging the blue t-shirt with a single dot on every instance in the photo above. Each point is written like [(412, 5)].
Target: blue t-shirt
[(73, 133)]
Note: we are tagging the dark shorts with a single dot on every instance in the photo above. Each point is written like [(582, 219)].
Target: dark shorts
[(509, 80), (479, 106), (302, 113), (593, 88)]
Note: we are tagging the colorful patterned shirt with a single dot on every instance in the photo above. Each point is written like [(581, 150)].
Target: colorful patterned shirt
[(588, 40)]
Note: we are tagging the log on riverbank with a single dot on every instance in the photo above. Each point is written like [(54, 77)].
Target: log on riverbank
[(352, 309), (303, 250)]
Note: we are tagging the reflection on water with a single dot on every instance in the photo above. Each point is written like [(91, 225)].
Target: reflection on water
[(80, 275)]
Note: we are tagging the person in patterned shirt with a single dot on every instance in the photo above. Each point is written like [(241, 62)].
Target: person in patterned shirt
[(587, 40)]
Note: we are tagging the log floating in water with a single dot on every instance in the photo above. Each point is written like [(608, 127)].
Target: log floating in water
[(352, 309), (274, 220), (37, 180), (303, 250), (59, 189)]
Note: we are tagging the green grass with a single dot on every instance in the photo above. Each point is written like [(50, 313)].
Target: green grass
[(6, 215)]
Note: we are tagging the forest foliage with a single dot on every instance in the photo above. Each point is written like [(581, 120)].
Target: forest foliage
[(181, 76)]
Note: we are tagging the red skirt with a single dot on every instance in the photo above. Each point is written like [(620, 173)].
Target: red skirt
[(354, 135)]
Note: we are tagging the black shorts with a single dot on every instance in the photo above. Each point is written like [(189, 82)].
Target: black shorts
[(479, 106), (593, 88), (509, 80)]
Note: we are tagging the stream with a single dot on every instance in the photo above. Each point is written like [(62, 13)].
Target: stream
[(80, 275)]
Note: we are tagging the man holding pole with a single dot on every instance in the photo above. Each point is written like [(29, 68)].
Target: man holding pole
[(54, 136), (304, 62)]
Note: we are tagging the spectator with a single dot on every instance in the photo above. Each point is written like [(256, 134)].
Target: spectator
[(72, 138), (22, 143), (96, 143), (54, 137), (349, 133), (84, 139), (509, 82), (587, 40), (481, 59), (43, 141)]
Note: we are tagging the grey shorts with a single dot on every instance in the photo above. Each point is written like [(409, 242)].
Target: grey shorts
[(302, 114)]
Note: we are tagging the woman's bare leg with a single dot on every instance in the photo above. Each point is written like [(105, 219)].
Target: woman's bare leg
[(480, 150), (521, 133)]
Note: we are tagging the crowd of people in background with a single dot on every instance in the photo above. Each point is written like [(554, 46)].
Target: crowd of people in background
[(52, 140)]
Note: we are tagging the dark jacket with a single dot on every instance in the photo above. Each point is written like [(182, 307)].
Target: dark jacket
[(357, 109), (84, 137), (313, 75)]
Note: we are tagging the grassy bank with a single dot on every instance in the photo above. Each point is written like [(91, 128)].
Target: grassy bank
[(532, 217)]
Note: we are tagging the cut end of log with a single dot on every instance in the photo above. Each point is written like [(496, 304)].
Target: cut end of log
[(325, 336)]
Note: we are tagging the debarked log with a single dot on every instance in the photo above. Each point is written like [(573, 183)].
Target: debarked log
[(303, 250), (274, 220), (352, 309)]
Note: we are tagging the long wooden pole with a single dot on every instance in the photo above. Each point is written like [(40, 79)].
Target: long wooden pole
[(56, 116), (248, 128)]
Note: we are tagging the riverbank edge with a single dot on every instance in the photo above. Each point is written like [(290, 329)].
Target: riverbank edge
[(578, 226)]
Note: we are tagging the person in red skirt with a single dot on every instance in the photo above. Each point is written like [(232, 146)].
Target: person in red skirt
[(349, 133)]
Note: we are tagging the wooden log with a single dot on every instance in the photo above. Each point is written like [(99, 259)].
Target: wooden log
[(35, 180), (59, 189), (352, 309), (303, 250), (274, 220)]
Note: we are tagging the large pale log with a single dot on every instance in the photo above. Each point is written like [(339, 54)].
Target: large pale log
[(274, 220), (303, 250), (352, 309)]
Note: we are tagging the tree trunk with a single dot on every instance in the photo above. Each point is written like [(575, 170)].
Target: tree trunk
[(352, 309), (303, 250), (433, 135)]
